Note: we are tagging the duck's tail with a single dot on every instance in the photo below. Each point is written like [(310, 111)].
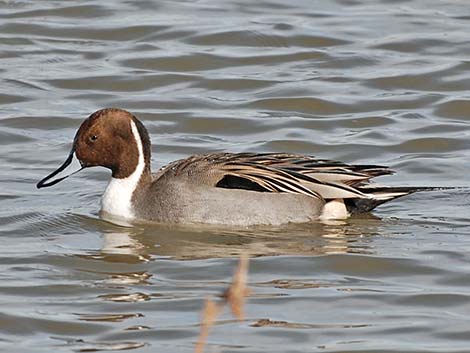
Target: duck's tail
[(381, 194)]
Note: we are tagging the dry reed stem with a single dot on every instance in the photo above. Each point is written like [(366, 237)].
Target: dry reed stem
[(234, 296), (209, 315)]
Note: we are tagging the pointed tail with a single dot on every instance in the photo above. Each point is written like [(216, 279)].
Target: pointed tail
[(382, 194)]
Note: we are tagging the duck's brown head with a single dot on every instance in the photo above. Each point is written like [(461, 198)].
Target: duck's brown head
[(111, 138)]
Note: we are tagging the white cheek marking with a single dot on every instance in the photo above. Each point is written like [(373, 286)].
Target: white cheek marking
[(117, 198), (334, 209)]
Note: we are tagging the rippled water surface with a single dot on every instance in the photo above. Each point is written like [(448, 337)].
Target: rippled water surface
[(385, 82)]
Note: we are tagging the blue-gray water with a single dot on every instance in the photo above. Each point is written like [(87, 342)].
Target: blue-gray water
[(385, 82)]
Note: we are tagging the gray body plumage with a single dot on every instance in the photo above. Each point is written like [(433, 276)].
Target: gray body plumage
[(256, 189)]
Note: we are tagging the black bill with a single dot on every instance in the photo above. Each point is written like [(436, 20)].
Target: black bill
[(71, 166)]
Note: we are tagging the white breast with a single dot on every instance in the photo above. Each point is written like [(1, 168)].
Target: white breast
[(117, 198)]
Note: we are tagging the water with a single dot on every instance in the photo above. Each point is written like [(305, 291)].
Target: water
[(364, 82)]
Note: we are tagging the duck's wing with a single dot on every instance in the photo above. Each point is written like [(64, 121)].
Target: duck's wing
[(323, 170), (280, 172), (290, 173)]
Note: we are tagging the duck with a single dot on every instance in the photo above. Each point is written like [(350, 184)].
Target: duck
[(232, 189)]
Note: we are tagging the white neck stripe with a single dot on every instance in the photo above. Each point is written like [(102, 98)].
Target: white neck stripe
[(117, 198), (141, 163)]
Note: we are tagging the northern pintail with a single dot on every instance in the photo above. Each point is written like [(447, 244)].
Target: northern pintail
[(218, 188)]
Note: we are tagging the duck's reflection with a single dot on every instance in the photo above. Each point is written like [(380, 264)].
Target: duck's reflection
[(127, 255), (123, 244), (141, 243)]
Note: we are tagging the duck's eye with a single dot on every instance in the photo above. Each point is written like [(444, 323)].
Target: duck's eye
[(93, 138)]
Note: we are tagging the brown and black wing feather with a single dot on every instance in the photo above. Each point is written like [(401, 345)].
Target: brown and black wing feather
[(299, 174)]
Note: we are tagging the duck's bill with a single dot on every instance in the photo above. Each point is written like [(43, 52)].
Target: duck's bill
[(71, 166)]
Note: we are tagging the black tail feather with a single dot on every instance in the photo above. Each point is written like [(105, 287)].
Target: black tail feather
[(364, 205)]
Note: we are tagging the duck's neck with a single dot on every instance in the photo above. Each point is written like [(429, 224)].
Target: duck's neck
[(118, 196)]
